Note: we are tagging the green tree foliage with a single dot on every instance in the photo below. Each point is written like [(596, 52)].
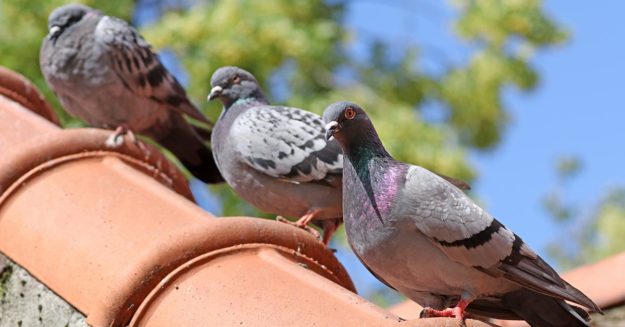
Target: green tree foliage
[(302, 44), (297, 49), (594, 233)]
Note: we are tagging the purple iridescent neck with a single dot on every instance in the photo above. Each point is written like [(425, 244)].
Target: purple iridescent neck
[(378, 179)]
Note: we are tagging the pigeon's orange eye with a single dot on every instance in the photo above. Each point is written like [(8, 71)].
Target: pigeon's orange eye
[(350, 113), (236, 80)]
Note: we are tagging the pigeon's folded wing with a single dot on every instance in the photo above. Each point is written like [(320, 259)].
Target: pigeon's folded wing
[(286, 143), (139, 69), (469, 235)]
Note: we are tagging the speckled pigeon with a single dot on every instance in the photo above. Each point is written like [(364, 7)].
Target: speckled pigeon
[(105, 73), (276, 158), (425, 238)]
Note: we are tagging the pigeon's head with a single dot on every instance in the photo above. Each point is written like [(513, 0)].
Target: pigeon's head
[(64, 17), (349, 124), (345, 120), (230, 84)]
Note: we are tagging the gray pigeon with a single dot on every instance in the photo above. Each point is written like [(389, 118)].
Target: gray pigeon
[(276, 158), (425, 238), (105, 73)]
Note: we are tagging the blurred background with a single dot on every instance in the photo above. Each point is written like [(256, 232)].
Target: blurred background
[(524, 99)]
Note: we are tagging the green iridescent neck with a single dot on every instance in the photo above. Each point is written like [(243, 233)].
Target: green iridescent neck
[(243, 101), (360, 155), (248, 101)]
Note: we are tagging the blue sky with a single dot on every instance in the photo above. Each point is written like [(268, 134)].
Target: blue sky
[(578, 109)]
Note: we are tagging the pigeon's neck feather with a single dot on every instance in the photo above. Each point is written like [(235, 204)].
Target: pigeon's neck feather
[(247, 100), (363, 144), (240, 105), (374, 181), (361, 154), (374, 169)]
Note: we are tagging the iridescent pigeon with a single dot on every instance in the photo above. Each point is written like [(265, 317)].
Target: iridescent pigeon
[(105, 73), (425, 238)]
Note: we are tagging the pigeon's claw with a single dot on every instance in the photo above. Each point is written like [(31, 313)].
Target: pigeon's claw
[(303, 222), (307, 218), (117, 138)]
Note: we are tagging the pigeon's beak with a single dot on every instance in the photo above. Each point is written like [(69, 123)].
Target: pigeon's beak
[(215, 92), (331, 129), (54, 32)]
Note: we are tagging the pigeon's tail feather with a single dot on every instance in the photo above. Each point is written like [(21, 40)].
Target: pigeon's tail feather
[(187, 145), (536, 274), (542, 310)]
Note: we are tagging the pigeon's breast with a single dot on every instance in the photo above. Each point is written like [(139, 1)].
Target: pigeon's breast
[(74, 59), (388, 241), (267, 193), (369, 196)]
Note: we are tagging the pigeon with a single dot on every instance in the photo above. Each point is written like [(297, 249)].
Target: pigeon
[(429, 241), (274, 157), (105, 73)]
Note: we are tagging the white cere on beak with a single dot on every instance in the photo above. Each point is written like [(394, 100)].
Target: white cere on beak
[(54, 30), (329, 126), (215, 90)]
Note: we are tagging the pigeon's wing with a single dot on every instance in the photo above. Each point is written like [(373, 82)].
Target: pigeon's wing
[(469, 235), (286, 143), (139, 69)]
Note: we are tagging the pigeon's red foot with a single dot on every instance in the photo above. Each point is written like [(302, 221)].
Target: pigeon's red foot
[(301, 223), (455, 312)]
